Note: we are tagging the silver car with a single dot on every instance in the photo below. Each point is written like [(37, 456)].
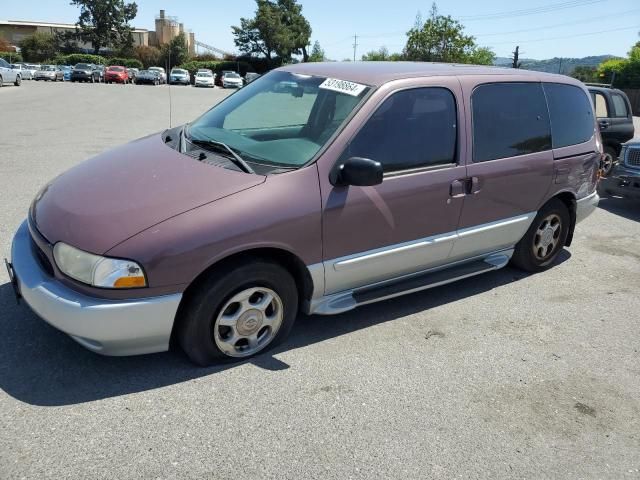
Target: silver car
[(49, 73), (25, 73), (8, 74), (162, 75)]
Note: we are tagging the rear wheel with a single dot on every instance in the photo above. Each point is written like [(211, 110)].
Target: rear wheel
[(18, 81), (608, 161), (1, 82), (544, 240), (238, 312)]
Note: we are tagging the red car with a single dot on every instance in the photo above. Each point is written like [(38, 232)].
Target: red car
[(116, 73)]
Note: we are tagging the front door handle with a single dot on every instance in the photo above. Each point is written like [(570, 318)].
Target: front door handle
[(457, 189)]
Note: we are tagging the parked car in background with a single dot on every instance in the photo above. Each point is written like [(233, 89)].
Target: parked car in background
[(99, 72), (367, 181), (132, 73), (624, 179), (66, 72), (179, 76), (615, 119), (49, 73), (8, 74), (116, 74), (83, 72), (24, 71), (149, 77), (32, 68), (232, 80), (250, 77), (162, 75), (204, 79)]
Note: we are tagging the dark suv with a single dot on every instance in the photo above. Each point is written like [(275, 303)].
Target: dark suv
[(625, 177), (615, 120)]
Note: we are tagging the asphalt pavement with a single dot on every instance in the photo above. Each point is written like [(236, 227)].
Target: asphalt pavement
[(505, 375)]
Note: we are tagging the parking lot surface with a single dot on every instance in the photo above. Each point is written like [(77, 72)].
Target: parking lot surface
[(506, 375)]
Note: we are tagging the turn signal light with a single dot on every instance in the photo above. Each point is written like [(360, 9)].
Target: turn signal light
[(129, 282)]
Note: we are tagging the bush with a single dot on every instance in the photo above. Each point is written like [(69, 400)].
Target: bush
[(11, 57), (125, 62), (74, 58)]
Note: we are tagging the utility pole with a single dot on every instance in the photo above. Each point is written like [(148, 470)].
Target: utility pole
[(516, 55), (355, 46), (560, 66)]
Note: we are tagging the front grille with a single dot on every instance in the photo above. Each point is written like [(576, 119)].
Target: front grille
[(633, 157), (42, 258)]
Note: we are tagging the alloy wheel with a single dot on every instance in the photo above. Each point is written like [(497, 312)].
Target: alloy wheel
[(547, 237), (248, 322)]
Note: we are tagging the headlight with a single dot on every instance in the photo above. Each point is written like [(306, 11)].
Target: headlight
[(96, 270)]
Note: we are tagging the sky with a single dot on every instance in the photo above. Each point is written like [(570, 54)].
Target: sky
[(542, 28)]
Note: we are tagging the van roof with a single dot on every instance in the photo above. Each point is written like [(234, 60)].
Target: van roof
[(379, 73)]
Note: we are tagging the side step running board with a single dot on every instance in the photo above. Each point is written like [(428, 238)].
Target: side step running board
[(421, 282), (342, 302)]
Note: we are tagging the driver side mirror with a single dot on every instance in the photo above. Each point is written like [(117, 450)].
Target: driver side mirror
[(357, 171)]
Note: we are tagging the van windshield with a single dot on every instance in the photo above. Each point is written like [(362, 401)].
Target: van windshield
[(280, 119)]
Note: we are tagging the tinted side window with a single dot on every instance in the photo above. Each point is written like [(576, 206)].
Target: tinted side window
[(600, 104), (4, 63), (619, 106), (411, 129), (571, 114), (509, 119)]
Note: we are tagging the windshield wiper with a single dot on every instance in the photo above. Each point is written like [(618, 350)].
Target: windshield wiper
[(234, 156)]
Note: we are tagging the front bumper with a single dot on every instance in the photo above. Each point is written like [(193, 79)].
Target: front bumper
[(81, 76), (231, 85), (109, 327), (586, 206), (182, 80)]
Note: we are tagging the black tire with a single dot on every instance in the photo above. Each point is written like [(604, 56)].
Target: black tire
[(608, 161), (1, 82), (530, 259), (18, 81), (195, 328)]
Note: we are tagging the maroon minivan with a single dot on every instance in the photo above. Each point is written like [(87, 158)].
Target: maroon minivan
[(316, 188)]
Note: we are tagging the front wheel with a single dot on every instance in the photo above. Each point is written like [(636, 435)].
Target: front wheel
[(238, 312), (544, 240)]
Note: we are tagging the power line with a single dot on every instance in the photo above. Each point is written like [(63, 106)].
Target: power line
[(530, 11), (566, 36), (557, 25)]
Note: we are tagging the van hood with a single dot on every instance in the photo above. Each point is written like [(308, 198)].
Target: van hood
[(109, 198)]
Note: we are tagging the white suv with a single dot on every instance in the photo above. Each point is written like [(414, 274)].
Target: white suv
[(8, 74)]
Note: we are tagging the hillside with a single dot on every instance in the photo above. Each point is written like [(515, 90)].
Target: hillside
[(556, 65)]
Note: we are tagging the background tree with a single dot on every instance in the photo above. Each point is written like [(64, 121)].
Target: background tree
[(175, 52), (38, 47), (277, 29), (441, 39), (317, 53), (585, 73), (380, 55), (149, 56), (4, 45), (105, 23)]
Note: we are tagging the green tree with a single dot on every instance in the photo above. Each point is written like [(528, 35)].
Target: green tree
[(38, 47), (149, 56), (441, 39), (105, 23), (380, 55), (317, 53), (175, 52), (585, 73), (277, 29), (623, 73)]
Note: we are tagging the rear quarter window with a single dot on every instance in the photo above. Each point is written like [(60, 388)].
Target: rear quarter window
[(571, 114), (509, 119)]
